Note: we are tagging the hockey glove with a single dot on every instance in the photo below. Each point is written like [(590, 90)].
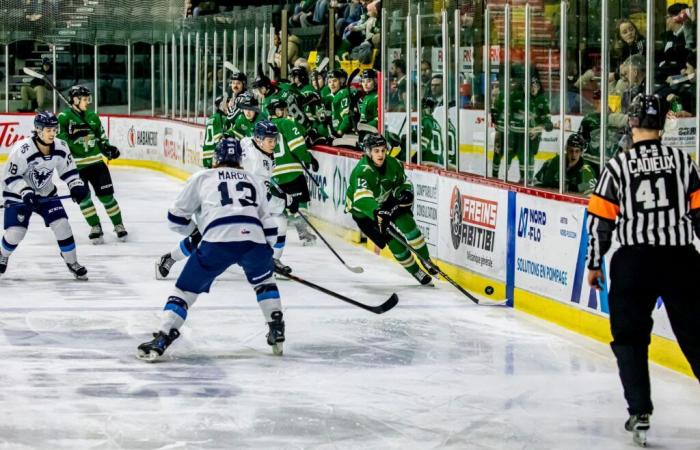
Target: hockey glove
[(79, 192), (111, 152), (195, 238), (405, 199), (384, 218), (30, 200), (78, 130), (292, 203), (313, 163)]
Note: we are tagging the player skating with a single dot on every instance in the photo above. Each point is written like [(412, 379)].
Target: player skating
[(83, 132), (28, 188), (258, 159), (378, 195), (232, 211)]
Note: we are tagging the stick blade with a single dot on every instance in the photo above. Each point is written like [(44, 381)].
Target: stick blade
[(229, 66), (387, 305), (32, 73), (355, 269)]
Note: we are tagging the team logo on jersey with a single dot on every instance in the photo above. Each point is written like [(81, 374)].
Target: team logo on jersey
[(40, 176)]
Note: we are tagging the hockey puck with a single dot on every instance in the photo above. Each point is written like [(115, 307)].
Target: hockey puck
[(489, 290)]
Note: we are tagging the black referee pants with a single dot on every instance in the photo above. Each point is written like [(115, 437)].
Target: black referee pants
[(639, 276)]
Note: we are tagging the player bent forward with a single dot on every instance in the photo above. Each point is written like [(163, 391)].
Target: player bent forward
[(28, 188), (378, 195), (237, 228)]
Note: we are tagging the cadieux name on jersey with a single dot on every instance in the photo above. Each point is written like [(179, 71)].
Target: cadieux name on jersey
[(225, 175), (651, 164)]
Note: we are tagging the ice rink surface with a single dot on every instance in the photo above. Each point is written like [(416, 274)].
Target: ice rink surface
[(435, 372)]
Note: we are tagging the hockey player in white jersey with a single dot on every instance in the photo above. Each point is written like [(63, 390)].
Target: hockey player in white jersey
[(258, 159), (28, 188), (234, 218)]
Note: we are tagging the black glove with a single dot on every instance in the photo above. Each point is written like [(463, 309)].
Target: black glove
[(405, 199), (313, 163), (292, 203), (30, 200), (195, 238), (78, 130), (384, 218), (79, 192), (110, 151)]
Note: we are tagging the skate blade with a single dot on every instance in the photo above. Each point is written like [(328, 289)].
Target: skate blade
[(277, 349), (122, 239), (159, 276), (308, 243), (97, 241), (81, 277), (147, 357), (640, 437)]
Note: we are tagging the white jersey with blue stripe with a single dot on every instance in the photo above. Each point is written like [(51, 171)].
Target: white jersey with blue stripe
[(256, 161), (230, 206), (29, 169)]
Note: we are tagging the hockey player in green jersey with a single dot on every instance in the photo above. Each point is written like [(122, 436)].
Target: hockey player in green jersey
[(539, 121), (431, 145), (214, 130), (339, 102), (367, 104), (580, 177), (291, 153), (245, 122), (379, 194), (310, 102), (88, 143), (286, 92)]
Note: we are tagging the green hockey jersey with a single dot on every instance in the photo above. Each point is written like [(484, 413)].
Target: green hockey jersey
[(580, 179), (290, 151), (242, 127), (369, 109), (370, 186), (340, 110), (86, 150), (214, 130)]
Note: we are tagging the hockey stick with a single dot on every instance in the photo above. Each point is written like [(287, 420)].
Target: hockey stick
[(230, 67), (44, 78), (354, 269), (434, 269), (384, 307), (41, 200)]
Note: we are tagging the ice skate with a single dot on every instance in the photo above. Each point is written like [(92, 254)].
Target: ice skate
[(281, 268), (638, 424), (3, 264), (422, 277), (121, 232), (163, 266), (78, 271), (275, 337), (154, 349), (96, 235)]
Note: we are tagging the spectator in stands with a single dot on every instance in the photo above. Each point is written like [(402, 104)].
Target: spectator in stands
[(37, 90), (303, 11), (397, 98), (201, 8), (676, 53), (293, 46), (352, 13), (628, 42), (320, 12), (436, 89), (580, 178), (426, 74)]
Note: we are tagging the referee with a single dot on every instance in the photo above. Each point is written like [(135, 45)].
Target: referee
[(649, 197)]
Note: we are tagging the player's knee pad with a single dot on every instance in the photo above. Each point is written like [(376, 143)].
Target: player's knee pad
[(61, 229), (106, 199), (188, 297), (13, 236)]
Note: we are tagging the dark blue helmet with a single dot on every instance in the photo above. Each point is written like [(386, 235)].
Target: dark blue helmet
[(265, 129), (228, 152), (45, 119)]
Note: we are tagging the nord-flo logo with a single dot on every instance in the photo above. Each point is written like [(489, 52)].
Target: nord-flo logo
[(529, 223)]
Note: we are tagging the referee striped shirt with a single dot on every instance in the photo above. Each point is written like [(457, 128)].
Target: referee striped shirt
[(649, 195)]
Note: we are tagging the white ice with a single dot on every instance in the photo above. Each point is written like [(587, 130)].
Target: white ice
[(435, 372)]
